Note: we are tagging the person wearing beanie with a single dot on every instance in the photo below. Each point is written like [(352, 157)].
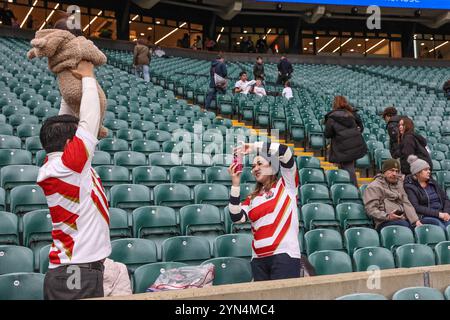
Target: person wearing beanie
[(386, 201), (427, 197), (392, 119)]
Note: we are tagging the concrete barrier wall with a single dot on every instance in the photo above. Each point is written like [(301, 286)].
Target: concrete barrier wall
[(312, 288)]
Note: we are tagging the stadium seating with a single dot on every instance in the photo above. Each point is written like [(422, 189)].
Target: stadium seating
[(418, 293), (229, 270), (144, 276), (362, 296), (22, 286)]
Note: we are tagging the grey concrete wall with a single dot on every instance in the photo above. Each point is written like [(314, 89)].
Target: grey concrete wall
[(311, 288)]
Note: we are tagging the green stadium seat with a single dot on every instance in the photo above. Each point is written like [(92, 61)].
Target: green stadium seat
[(308, 162), (186, 175), (394, 236), (112, 145), (44, 258), (191, 250), (418, 293), (5, 130), (318, 215), (414, 255), (342, 192), (112, 175), (219, 175), (362, 296), (16, 175), (129, 196), (164, 159), (33, 144), (17, 119), (28, 130), (9, 228), (37, 231), (246, 190), (201, 220), (223, 160), (229, 270), (10, 142), (337, 176), (326, 262), (429, 234), (311, 175), (172, 194), (322, 239), (22, 286), (40, 158), (233, 245), (15, 259), (133, 252), (214, 194), (235, 228), (143, 126), (149, 176), (14, 156), (27, 198), (196, 160), (145, 146), (158, 135), (247, 176), (115, 124), (377, 257), (129, 159), (314, 193), (118, 224), (447, 293), (176, 147), (156, 223), (442, 251), (129, 134), (351, 214), (144, 276), (356, 238), (101, 158)]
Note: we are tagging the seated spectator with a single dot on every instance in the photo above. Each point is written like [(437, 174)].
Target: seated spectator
[(287, 91), (243, 85), (159, 52), (258, 89), (386, 200), (427, 197)]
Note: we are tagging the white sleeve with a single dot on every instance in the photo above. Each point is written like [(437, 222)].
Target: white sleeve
[(90, 107), (65, 109)]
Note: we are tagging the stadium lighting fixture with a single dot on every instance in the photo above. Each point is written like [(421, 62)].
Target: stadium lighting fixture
[(28, 14), (374, 46), (171, 32), (326, 45), (439, 46), (134, 18), (267, 34), (317, 38), (347, 41), (220, 34), (149, 28), (92, 21), (311, 43), (49, 16)]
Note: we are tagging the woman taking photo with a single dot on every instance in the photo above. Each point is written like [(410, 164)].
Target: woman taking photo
[(410, 143), (344, 127), (426, 196), (271, 208)]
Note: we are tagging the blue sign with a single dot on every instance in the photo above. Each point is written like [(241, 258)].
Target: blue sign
[(418, 4)]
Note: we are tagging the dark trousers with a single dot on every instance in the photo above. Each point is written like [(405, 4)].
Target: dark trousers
[(350, 168), (403, 223), (212, 93), (74, 282), (436, 221), (279, 266)]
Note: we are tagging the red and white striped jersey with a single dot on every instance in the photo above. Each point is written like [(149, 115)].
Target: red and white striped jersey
[(273, 214), (77, 203)]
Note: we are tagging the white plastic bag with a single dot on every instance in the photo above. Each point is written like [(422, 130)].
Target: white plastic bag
[(184, 278)]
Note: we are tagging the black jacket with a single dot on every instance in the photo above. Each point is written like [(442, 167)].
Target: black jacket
[(392, 130), (446, 86), (219, 68), (285, 67), (412, 143), (258, 70), (344, 129), (419, 198)]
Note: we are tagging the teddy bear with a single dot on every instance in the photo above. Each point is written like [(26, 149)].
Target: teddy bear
[(64, 52)]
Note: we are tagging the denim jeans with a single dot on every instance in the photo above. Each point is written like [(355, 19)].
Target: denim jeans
[(143, 69), (435, 221), (403, 223)]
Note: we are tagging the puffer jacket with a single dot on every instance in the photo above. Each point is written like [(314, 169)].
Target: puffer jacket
[(381, 198), (412, 143), (115, 279), (258, 70), (141, 55), (219, 68), (392, 130), (344, 129), (419, 198)]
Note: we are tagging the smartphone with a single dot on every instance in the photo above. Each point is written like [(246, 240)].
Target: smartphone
[(238, 161), (398, 212)]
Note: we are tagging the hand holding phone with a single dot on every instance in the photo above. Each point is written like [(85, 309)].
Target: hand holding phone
[(237, 160)]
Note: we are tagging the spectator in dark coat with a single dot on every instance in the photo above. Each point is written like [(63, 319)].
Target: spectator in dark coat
[(258, 69), (217, 67), (427, 197), (392, 119), (446, 89), (344, 127), (285, 70), (410, 142)]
